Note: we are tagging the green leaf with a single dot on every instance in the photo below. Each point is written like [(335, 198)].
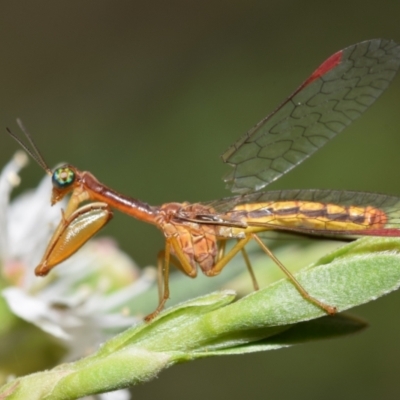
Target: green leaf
[(212, 325)]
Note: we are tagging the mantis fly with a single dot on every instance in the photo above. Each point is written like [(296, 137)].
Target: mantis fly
[(335, 94)]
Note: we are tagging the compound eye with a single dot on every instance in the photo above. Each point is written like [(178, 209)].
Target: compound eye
[(63, 177)]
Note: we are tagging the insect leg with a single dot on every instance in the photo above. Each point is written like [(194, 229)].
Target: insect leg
[(221, 255), (250, 268), (73, 231), (160, 264), (327, 308), (221, 249), (180, 262), (162, 277), (221, 263)]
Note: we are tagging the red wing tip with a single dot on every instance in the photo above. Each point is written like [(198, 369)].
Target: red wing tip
[(329, 64)]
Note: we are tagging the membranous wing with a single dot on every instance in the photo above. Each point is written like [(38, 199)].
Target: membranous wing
[(320, 212), (342, 88)]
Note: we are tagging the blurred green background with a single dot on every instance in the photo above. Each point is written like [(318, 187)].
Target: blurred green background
[(147, 95)]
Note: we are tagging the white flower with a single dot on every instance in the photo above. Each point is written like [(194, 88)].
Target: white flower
[(82, 303)]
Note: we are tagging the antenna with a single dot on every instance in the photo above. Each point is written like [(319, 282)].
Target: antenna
[(33, 151)]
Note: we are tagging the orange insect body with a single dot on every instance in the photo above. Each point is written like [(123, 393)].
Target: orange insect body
[(342, 88)]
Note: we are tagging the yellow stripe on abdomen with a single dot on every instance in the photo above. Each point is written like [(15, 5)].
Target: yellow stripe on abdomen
[(309, 216)]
